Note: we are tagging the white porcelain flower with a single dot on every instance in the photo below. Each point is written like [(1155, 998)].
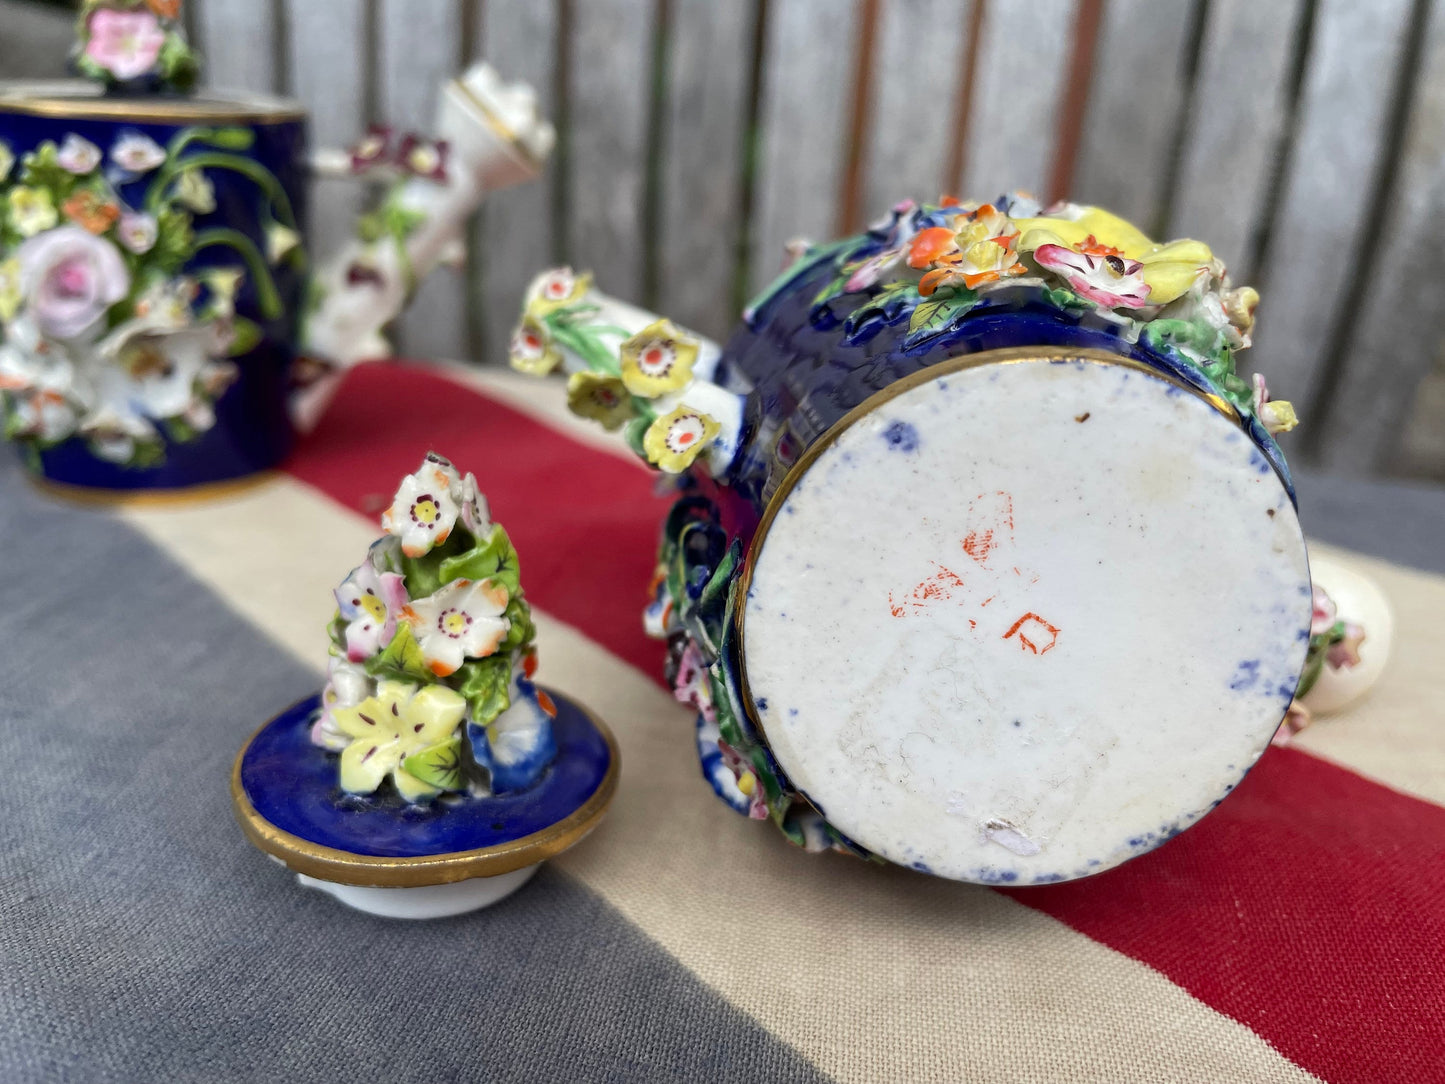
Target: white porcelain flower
[(78, 155), (370, 603), (476, 516), (114, 432), (346, 686), (425, 507), (136, 152), (39, 389), (195, 192), (462, 620), (7, 159), (137, 231)]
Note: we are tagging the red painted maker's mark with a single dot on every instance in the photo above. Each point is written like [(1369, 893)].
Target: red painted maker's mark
[(991, 516), (937, 588), (1032, 625)]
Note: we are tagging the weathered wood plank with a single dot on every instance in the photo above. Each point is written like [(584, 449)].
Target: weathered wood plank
[(910, 130), (1398, 335), (1324, 214), (1132, 117), (1233, 127), (708, 72), (1015, 102), (238, 44), (803, 116), (420, 47), (610, 84), (328, 65), (518, 236)]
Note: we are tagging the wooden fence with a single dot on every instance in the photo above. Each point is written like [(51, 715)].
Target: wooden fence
[(1304, 139)]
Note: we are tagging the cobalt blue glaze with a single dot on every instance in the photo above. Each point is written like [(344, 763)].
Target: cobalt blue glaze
[(803, 367), (253, 430), (293, 785)]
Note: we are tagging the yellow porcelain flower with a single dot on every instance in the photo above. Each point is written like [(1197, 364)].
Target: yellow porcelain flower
[(599, 396), (657, 360), (532, 350), (1169, 269), (398, 722), (32, 210), (556, 289), (10, 295), (674, 440)]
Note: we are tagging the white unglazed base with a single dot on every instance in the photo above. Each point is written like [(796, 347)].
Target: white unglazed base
[(426, 901), (1358, 599), (1025, 621)]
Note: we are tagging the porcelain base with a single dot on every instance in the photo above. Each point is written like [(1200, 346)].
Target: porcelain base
[(425, 901)]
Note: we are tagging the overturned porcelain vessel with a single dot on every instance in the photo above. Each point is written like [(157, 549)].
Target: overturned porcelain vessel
[(985, 560), (155, 294), (431, 776)]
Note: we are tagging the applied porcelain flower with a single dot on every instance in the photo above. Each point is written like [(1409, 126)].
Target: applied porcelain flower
[(281, 241), (674, 440), (519, 743), (599, 396), (1169, 269), (555, 289), (69, 277), (114, 432), (657, 360), (370, 602), (423, 158), (156, 372), (532, 350), (124, 43), (91, 212), (1323, 612), (136, 152), (1277, 416), (32, 210), (1098, 273), (78, 155), (475, 515), (977, 247), (748, 783), (10, 295), (347, 685), (7, 160), (691, 684), (196, 192), (462, 620), (424, 509), (398, 721), (137, 231), (373, 149)]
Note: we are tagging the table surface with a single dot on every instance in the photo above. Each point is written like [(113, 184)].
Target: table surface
[(1297, 933)]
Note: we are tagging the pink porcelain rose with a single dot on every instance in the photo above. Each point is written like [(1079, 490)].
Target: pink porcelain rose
[(124, 43), (68, 278)]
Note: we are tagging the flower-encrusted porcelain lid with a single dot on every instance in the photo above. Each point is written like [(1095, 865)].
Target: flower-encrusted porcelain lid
[(430, 737)]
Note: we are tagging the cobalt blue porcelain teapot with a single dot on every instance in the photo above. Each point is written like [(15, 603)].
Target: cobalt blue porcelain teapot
[(984, 560)]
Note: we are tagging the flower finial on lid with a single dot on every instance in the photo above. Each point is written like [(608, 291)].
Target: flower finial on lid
[(135, 46)]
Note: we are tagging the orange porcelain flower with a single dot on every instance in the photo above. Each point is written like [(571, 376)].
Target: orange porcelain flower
[(979, 246), (90, 212), (165, 9)]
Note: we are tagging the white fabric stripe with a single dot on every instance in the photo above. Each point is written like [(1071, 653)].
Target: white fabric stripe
[(948, 980)]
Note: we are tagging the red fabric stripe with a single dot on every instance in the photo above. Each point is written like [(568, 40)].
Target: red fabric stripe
[(1310, 906)]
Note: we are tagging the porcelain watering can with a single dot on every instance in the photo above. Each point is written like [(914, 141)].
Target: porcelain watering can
[(155, 295), (984, 559)]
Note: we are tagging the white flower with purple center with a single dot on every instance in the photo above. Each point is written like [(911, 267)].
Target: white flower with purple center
[(137, 231), (463, 620), (424, 509), (370, 603), (136, 152), (78, 155)]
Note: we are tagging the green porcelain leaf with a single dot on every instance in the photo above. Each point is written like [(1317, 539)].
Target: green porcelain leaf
[(494, 559), (246, 335), (522, 630), (938, 311), (486, 685), (438, 765), (401, 659)]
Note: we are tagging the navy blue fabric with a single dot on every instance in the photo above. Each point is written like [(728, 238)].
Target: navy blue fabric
[(142, 938)]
